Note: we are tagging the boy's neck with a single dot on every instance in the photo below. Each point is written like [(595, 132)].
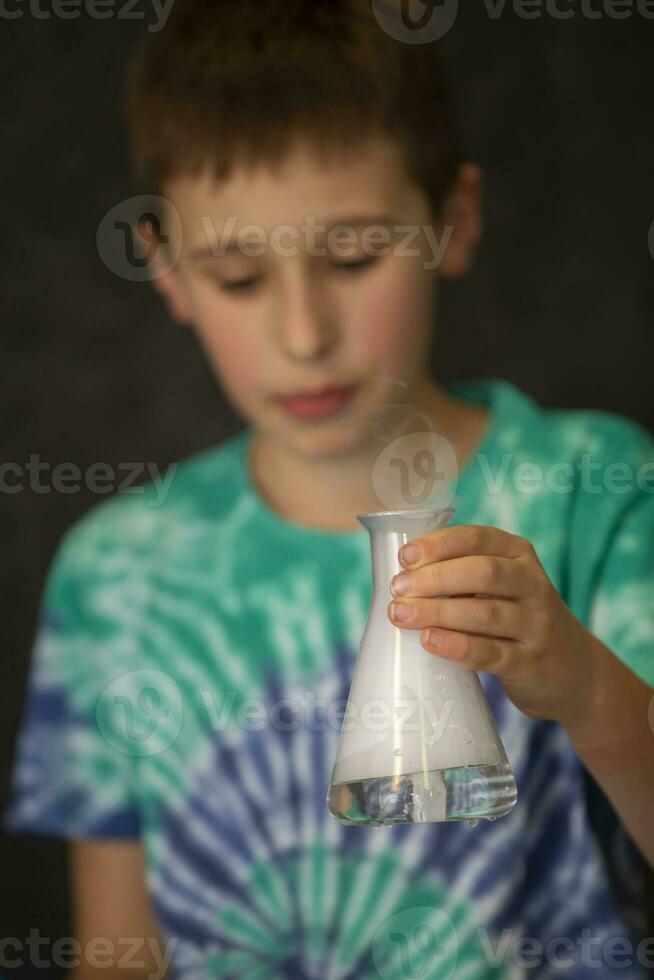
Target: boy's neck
[(328, 494)]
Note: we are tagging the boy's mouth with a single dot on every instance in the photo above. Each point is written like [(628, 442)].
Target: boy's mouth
[(318, 403)]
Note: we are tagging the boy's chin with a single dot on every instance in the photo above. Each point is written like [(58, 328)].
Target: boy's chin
[(328, 439)]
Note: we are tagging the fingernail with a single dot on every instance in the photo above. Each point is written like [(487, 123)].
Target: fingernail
[(434, 638), (401, 611), (409, 554), (401, 584)]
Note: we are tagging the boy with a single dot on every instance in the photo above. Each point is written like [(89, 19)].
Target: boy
[(168, 733)]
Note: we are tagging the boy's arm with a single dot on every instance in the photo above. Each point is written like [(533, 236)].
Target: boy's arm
[(613, 735), (113, 919)]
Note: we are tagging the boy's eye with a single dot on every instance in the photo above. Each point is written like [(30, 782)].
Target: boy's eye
[(239, 285), (248, 284), (355, 265)]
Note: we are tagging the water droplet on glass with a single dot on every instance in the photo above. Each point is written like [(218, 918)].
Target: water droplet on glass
[(472, 822)]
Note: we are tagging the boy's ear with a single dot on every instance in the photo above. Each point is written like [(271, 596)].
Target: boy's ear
[(165, 279), (462, 213)]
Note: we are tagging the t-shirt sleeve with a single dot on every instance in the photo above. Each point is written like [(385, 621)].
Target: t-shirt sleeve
[(70, 778), (621, 608)]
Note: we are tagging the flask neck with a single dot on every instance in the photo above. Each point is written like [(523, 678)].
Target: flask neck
[(390, 530), (384, 547)]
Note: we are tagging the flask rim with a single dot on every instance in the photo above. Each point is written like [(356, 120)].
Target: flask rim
[(438, 515)]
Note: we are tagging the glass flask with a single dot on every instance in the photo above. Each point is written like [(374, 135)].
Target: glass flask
[(418, 741)]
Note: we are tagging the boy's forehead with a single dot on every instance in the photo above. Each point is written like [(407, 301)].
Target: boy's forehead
[(371, 180)]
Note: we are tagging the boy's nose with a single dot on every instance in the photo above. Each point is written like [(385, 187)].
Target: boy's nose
[(306, 327)]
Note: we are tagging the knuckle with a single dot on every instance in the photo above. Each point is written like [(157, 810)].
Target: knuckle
[(534, 575), (488, 613), (432, 578), (420, 610), (465, 646), (484, 654), (489, 566), (528, 547), (436, 610), (476, 535)]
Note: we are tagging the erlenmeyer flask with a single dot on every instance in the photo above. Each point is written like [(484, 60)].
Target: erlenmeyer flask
[(418, 741)]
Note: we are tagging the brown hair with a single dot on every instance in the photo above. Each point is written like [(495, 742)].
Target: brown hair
[(230, 81)]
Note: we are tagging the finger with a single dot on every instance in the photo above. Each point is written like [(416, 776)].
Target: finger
[(471, 574), (473, 652), (489, 617), (465, 539)]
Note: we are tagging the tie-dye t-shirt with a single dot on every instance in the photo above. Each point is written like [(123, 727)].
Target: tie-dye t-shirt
[(186, 669)]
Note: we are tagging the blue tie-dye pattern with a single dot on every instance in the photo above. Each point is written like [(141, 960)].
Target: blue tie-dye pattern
[(253, 802), (537, 900)]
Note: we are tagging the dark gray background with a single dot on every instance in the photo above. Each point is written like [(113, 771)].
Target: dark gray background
[(559, 113)]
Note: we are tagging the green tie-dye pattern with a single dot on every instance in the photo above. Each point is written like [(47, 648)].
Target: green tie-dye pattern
[(215, 591)]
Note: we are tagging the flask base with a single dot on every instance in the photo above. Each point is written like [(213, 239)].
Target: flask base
[(460, 793)]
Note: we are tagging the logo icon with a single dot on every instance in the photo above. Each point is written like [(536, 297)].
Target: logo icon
[(417, 470), (132, 233), (417, 943), (416, 21), (141, 712)]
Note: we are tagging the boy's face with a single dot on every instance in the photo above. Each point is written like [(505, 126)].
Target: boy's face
[(295, 307)]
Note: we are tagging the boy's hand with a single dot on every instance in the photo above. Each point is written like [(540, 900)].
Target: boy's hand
[(483, 599)]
